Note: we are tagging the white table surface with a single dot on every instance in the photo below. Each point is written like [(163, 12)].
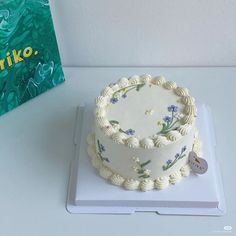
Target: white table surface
[(36, 147)]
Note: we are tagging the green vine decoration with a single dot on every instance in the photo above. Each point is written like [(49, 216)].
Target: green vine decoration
[(169, 121), (140, 168), (178, 156), (116, 123), (123, 92), (101, 149)]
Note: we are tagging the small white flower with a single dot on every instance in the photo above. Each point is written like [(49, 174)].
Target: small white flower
[(149, 112), (147, 172), (135, 168), (116, 126), (136, 159), (154, 136)]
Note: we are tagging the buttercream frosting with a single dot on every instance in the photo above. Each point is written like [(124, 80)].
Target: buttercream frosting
[(188, 100), (102, 121), (132, 142), (90, 139), (105, 172), (101, 101), (173, 135), (95, 162), (162, 182), (131, 184), (115, 87), (134, 79), (146, 185), (144, 130), (117, 179), (181, 91), (100, 112), (161, 141), (170, 85), (190, 110), (91, 151), (119, 137), (107, 91), (175, 177), (159, 80), (109, 130), (185, 170), (145, 78), (188, 119), (123, 82), (147, 143), (184, 129)]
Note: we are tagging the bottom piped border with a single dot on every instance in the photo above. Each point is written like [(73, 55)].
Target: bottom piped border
[(133, 184)]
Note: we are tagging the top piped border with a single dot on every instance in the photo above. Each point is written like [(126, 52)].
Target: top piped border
[(187, 121)]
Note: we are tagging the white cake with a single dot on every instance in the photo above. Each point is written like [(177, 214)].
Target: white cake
[(144, 131)]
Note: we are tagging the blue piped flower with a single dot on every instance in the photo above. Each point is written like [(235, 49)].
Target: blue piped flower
[(130, 132), (167, 119), (114, 100), (102, 148), (169, 162), (172, 108), (124, 95), (177, 156), (184, 149)]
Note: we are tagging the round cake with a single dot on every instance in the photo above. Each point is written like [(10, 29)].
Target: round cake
[(144, 131)]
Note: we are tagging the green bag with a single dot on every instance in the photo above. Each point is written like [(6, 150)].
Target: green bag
[(29, 58)]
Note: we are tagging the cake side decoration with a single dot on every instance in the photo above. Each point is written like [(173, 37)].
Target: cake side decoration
[(140, 169), (160, 183), (131, 184), (178, 156), (101, 149), (116, 179)]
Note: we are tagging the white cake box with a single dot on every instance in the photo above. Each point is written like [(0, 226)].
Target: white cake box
[(194, 195)]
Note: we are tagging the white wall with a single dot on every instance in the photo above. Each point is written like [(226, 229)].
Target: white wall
[(148, 33)]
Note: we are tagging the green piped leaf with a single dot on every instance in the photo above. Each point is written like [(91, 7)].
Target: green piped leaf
[(141, 171), (114, 122), (145, 163), (99, 147), (106, 159), (144, 176), (139, 86)]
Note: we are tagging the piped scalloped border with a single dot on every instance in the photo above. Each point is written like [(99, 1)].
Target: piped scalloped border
[(187, 121), (134, 184)]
